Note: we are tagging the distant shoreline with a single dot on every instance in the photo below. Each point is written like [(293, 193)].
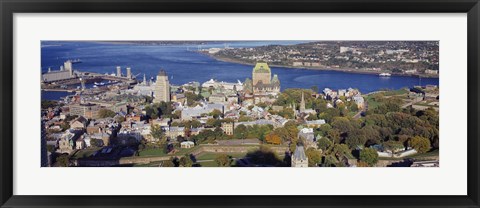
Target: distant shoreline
[(323, 68)]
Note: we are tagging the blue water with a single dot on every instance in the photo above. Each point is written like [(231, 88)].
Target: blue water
[(183, 65)]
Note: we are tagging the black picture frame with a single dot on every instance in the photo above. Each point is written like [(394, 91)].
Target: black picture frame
[(10, 7)]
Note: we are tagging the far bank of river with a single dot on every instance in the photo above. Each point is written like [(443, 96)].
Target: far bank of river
[(320, 68)]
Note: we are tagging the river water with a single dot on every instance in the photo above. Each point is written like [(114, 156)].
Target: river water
[(183, 65)]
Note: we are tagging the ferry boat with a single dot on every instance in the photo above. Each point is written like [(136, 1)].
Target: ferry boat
[(385, 74), (75, 61)]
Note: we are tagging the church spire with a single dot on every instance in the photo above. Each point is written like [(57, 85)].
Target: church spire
[(302, 104)]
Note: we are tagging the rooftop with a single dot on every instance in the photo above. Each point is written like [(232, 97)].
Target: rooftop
[(261, 67)]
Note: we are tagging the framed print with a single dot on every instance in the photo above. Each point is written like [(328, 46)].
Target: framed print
[(247, 104)]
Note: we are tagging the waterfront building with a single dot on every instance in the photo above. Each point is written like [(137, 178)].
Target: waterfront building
[(119, 71), (261, 73), (129, 73), (238, 86), (358, 99), (299, 158), (262, 81), (162, 88), (65, 72)]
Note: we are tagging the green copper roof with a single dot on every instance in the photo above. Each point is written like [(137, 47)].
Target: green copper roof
[(275, 79), (261, 67)]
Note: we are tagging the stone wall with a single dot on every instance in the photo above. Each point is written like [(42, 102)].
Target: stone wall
[(201, 149)]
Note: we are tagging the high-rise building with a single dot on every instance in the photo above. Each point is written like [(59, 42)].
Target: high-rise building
[(119, 71), (162, 88)]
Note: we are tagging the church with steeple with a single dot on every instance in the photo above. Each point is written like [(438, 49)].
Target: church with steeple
[(299, 158)]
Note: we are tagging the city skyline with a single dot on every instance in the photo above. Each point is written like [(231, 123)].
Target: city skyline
[(126, 119)]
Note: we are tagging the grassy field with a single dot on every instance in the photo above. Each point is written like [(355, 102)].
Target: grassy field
[(85, 153), (208, 164), (160, 152), (372, 103), (427, 155), (396, 92), (152, 152), (212, 156)]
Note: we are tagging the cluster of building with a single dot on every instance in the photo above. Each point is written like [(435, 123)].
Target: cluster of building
[(132, 125), (401, 57), (350, 94)]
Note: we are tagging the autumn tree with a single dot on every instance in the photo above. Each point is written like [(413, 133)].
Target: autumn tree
[(421, 144), (273, 138)]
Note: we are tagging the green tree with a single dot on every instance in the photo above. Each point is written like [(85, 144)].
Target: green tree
[(119, 119), (157, 132), (223, 160), (216, 113), (314, 157), (95, 142), (106, 113), (356, 138), (421, 144), (369, 156), (324, 143), (63, 161), (168, 163), (240, 132), (49, 104), (185, 161)]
